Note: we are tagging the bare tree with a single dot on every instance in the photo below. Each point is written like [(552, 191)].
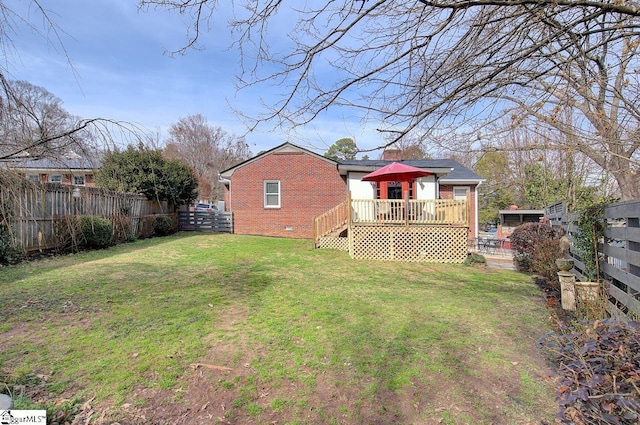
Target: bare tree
[(35, 124), (33, 121), (561, 173), (207, 149), (430, 65), (412, 148)]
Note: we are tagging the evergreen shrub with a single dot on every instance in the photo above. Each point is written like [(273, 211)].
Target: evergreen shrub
[(9, 251), (162, 225), (97, 232)]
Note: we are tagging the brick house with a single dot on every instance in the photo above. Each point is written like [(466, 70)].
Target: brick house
[(71, 169), (280, 191)]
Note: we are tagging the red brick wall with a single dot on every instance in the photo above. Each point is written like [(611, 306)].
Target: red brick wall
[(309, 186), (446, 192), (392, 154)]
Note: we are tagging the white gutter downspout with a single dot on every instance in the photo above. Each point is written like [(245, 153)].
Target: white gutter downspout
[(476, 208), (228, 183)]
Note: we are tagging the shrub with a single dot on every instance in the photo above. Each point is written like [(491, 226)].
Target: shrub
[(96, 231), (145, 226), (598, 372), (475, 258), (121, 228), (9, 251), (162, 225), (536, 247), (543, 259), (66, 233)]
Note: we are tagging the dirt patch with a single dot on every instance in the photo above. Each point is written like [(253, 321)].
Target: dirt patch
[(206, 398), (223, 388)]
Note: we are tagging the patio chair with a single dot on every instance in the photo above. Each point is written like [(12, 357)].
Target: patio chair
[(493, 245)]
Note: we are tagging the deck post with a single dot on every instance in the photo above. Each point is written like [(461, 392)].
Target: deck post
[(406, 209), (349, 209)]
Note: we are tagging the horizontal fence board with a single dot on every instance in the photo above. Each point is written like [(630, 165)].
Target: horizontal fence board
[(614, 311), (206, 221), (632, 281), (627, 300), (624, 233), (622, 260), (624, 255), (626, 209)]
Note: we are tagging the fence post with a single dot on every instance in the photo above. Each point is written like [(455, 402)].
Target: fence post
[(567, 290)]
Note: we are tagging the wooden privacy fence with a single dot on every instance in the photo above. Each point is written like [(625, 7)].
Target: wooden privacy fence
[(621, 262), (619, 252), (205, 221), (32, 211)]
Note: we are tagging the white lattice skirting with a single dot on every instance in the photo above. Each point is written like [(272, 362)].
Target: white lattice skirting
[(436, 244)]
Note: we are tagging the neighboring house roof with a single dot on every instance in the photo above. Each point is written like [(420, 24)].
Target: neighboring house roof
[(68, 163), (368, 165), (448, 170)]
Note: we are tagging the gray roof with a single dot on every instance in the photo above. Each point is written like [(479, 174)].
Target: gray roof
[(55, 164), (450, 169)]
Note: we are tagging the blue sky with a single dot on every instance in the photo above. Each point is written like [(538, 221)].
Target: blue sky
[(114, 67)]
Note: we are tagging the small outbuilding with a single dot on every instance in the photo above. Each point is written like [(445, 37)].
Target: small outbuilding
[(514, 217)]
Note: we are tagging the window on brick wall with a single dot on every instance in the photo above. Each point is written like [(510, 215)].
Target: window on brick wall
[(55, 178), (460, 192), (272, 193), (78, 180)]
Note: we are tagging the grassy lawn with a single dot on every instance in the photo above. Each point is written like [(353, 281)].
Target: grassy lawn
[(201, 328)]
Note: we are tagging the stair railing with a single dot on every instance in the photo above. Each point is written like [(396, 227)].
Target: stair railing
[(332, 220)]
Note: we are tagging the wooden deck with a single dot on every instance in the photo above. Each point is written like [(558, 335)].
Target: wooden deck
[(418, 230)]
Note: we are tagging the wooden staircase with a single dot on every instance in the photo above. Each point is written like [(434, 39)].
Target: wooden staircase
[(332, 222)]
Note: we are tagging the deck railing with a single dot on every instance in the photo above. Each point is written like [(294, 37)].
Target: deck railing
[(417, 211)]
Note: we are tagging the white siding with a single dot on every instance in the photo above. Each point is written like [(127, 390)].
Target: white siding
[(358, 188), (426, 188)]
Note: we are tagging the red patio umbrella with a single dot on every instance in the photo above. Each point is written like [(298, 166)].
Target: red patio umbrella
[(396, 172)]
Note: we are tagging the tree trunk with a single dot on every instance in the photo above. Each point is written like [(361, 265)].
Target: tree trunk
[(629, 184)]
